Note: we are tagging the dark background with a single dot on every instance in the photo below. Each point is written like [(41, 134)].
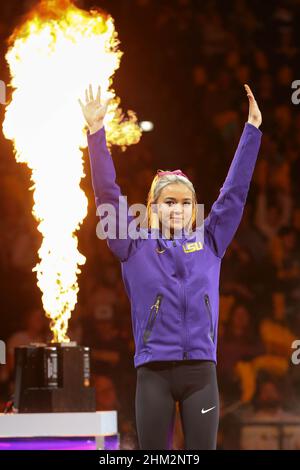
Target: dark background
[(184, 66)]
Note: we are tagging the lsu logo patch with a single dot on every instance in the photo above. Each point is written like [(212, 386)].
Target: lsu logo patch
[(193, 246)]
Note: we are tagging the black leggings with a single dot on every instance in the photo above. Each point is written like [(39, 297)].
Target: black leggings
[(193, 383)]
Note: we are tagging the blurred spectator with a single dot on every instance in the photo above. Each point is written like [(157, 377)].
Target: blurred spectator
[(107, 400), (109, 352), (267, 408), (274, 329), (270, 218), (239, 342)]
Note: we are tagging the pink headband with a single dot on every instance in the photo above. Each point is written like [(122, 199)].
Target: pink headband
[(175, 172)]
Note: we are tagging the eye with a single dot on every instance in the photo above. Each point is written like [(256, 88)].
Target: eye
[(169, 202), (187, 203)]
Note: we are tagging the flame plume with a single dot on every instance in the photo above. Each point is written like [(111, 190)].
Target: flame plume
[(52, 56)]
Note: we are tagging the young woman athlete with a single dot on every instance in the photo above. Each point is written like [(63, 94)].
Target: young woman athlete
[(172, 281)]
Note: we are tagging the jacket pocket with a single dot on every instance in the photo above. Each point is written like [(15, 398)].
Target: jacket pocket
[(152, 317), (208, 309)]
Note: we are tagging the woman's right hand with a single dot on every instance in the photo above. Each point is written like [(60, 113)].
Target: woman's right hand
[(93, 110)]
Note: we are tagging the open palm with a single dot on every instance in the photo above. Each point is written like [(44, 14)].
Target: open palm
[(93, 110)]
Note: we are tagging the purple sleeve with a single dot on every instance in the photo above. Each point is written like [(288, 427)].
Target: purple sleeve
[(107, 191), (226, 212)]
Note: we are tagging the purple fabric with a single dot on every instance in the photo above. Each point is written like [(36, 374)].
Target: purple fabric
[(185, 282), (58, 443)]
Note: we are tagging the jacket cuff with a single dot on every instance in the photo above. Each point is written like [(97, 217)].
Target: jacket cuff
[(96, 134), (252, 128)]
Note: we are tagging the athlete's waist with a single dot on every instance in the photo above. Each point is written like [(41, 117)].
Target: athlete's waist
[(179, 362)]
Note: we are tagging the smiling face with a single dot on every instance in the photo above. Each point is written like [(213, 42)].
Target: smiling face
[(175, 207)]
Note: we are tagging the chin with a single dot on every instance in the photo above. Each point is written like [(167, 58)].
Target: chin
[(177, 225)]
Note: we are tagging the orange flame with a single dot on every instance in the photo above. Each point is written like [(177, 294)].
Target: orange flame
[(55, 52)]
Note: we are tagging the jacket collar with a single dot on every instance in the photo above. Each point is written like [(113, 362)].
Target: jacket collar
[(164, 242)]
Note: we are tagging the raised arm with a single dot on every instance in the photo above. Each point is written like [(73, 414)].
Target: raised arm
[(103, 173), (226, 212)]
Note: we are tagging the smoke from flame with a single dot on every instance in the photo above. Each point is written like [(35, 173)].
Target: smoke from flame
[(53, 56)]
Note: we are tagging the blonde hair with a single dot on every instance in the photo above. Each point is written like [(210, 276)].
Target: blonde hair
[(158, 183)]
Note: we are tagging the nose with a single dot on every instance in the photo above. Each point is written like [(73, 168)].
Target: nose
[(177, 211)]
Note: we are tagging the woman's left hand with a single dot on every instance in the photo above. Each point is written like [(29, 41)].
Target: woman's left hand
[(254, 116)]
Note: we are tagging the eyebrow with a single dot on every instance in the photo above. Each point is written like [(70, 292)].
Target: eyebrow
[(174, 199)]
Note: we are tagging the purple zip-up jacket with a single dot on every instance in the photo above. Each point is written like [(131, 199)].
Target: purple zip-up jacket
[(174, 294)]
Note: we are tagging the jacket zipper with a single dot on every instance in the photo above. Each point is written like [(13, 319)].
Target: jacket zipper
[(207, 303), (152, 317), (185, 354)]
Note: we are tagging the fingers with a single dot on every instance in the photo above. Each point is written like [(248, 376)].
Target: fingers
[(90, 97), (98, 97), (91, 92), (81, 103), (249, 92)]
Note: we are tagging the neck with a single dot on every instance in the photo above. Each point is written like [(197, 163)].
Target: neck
[(169, 234)]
